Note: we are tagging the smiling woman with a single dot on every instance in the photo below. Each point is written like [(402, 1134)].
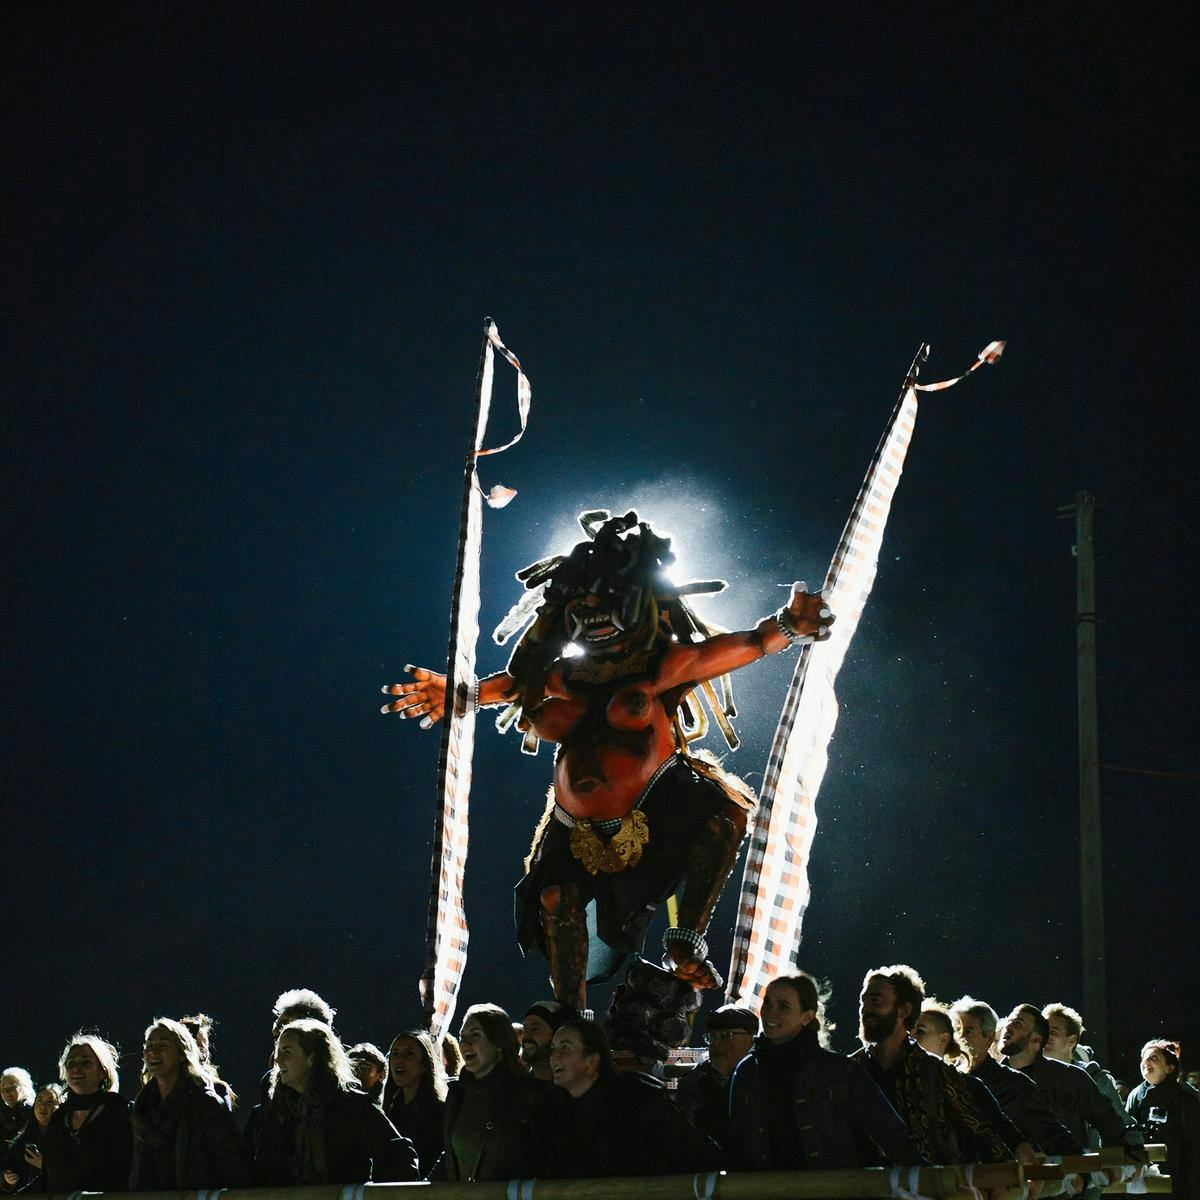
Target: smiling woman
[(598, 1121), (89, 1140), (184, 1134), (789, 1071), (23, 1164), (318, 1127), (414, 1097), (487, 1130)]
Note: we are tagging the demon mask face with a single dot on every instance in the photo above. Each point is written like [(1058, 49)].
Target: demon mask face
[(605, 588), (609, 598)]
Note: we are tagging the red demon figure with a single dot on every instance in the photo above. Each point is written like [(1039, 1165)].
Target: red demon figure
[(611, 669)]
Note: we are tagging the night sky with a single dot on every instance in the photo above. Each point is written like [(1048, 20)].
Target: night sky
[(247, 261)]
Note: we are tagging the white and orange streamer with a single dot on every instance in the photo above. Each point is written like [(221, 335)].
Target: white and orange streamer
[(446, 928), (775, 888)]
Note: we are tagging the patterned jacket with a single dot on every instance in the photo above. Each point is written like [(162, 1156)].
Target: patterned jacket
[(933, 1101)]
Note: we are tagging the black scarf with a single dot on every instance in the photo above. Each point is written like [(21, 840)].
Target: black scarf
[(76, 1103), (785, 1058), (781, 1063)]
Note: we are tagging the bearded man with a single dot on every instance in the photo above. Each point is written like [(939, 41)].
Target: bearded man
[(610, 668), (928, 1094), (1077, 1102), (975, 1027), (537, 1032)]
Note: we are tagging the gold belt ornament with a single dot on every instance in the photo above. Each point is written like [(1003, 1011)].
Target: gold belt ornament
[(622, 851)]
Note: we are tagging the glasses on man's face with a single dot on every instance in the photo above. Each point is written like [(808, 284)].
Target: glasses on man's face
[(725, 1035)]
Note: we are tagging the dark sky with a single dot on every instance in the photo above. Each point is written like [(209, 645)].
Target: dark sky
[(247, 262)]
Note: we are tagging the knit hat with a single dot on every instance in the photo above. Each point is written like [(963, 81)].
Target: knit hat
[(553, 1013), (731, 1016)]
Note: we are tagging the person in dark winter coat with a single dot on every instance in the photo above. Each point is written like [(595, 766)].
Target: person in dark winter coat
[(1168, 1111), (370, 1069), (1022, 1100), (847, 1121), (23, 1165), (1076, 1100), (487, 1124), (414, 1097), (934, 1033), (293, 1005), (703, 1093), (318, 1127), (89, 1140), (1066, 1028), (184, 1135), (931, 1097), (598, 1121), (16, 1105)]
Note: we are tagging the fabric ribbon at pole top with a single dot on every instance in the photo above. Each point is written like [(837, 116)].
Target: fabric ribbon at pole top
[(500, 495), (989, 354), (524, 392)]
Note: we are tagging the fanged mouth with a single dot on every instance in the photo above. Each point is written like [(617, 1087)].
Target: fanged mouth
[(597, 626)]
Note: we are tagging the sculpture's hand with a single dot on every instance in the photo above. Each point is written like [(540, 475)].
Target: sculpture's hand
[(810, 613), (680, 959), (425, 699)]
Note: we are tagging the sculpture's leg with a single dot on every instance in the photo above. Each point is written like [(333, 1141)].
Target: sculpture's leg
[(711, 861), (564, 923)]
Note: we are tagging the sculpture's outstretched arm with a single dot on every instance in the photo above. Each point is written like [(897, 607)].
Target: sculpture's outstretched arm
[(806, 615)]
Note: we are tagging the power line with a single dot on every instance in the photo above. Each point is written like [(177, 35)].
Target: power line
[(1157, 774)]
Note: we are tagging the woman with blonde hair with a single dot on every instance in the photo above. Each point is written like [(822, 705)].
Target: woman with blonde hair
[(414, 1096), (200, 1027), (934, 1033), (16, 1092), (184, 1136), (89, 1140), (318, 1127)]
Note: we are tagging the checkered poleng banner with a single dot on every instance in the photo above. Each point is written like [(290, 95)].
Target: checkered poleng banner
[(775, 890), (446, 928)]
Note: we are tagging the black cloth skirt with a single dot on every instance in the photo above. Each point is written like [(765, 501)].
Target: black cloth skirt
[(620, 905)]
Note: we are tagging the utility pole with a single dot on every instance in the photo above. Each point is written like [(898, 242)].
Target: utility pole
[(1091, 875)]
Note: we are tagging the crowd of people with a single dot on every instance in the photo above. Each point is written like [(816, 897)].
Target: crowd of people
[(546, 1097)]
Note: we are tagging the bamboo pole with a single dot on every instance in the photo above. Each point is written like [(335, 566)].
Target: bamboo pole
[(1157, 1185), (1081, 1164), (1045, 1171), (866, 1183), (998, 1175)]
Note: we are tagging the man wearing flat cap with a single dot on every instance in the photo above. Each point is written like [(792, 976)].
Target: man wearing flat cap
[(703, 1093)]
